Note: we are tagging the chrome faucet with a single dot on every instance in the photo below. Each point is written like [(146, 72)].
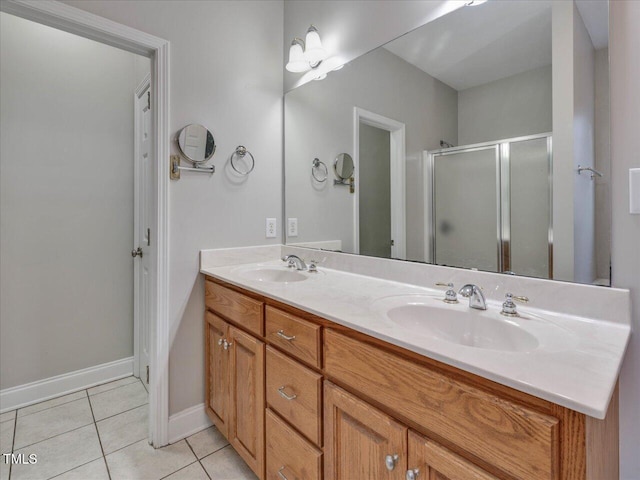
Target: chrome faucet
[(294, 261), (475, 296)]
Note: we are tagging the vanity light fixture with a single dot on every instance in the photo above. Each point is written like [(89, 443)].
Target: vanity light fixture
[(308, 54)]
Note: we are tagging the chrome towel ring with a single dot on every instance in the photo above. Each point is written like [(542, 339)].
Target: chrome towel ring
[(240, 153), (319, 170)]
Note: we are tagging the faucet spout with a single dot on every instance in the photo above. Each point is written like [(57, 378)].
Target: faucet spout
[(295, 261), (475, 296)]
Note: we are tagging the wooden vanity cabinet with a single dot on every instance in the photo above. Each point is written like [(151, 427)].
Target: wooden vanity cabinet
[(235, 377), (336, 404)]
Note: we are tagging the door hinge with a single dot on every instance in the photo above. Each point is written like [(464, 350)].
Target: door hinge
[(149, 100), (147, 374), (148, 237)]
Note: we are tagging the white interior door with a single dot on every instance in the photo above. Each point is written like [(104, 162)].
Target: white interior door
[(142, 232)]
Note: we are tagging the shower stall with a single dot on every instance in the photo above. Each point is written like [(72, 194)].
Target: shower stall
[(489, 206)]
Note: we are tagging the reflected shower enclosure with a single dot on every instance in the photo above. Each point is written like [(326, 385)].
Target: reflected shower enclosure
[(491, 206)]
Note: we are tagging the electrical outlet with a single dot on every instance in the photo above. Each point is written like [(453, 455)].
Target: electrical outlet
[(270, 230), (292, 227)]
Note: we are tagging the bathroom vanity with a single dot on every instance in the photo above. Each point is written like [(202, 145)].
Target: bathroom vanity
[(320, 392)]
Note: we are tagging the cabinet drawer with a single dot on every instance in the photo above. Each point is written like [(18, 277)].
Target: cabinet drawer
[(515, 439), (288, 454), (238, 308), (293, 391), (294, 335)]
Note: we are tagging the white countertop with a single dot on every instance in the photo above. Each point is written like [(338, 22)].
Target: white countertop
[(577, 369)]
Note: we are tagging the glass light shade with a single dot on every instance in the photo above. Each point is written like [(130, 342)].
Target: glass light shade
[(314, 52), (297, 60)]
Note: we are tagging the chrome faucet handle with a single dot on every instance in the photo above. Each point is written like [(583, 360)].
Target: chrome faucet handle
[(509, 308), (450, 296), (313, 266)]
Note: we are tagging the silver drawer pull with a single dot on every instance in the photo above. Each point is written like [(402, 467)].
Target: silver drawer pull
[(412, 474), (282, 475), (284, 395), (281, 334)]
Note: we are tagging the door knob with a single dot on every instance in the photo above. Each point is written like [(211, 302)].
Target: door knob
[(137, 253)]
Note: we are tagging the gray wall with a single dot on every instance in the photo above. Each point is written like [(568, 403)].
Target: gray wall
[(602, 164), (66, 202), (584, 90), (319, 123), (624, 48), (375, 191), (515, 106), (226, 73)]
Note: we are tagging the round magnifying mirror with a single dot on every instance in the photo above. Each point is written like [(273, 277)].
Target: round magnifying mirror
[(343, 166), (196, 143)]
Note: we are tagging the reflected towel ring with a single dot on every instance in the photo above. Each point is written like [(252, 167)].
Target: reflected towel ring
[(242, 152), (318, 165)]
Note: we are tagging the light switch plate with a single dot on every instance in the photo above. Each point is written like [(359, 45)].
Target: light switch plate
[(634, 191)]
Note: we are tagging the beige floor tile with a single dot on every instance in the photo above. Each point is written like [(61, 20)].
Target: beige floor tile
[(6, 416), (59, 454), (226, 464), (54, 402), (118, 400), (105, 387), (123, 429), (6, 436), (207, 441), (192, 472), (142, 461), (45, 424), (96, 470)]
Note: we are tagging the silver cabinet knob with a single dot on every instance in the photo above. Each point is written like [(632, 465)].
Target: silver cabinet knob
[(137, 252), (220, 342), (390, 461), (412, 474)]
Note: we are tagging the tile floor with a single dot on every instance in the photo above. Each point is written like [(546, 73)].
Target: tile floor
[(101, 434)]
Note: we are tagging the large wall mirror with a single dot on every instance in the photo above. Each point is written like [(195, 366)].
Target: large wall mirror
[(479, 140)]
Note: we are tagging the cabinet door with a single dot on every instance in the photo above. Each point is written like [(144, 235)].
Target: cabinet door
[(246, 422), (430, 461), (217, 368), (360, 440)]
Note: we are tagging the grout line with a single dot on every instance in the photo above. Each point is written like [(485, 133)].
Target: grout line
[(181, 468), (13, 441), (67, 471), (194, 453), (54, 436), (111, 389), (120, 413), (49, 408), (215, 451), (95, 425)]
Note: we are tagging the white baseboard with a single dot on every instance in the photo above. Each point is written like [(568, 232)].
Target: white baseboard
[(41, 390), (187, 422)]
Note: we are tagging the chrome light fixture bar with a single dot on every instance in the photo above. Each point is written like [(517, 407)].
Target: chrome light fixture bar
[(307, 54)]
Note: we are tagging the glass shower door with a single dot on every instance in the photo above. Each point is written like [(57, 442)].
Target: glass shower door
[(466, 208)]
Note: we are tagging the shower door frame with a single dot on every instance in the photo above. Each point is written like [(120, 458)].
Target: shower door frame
[(503, 161)]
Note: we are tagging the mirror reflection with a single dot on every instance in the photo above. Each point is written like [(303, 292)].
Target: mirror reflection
[(466, 135), (196, 143), (343, 166)]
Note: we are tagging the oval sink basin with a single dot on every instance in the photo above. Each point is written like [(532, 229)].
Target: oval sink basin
[(273, 274), (471, 329)]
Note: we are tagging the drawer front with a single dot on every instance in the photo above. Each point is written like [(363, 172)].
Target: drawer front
[(238, 308), (515, 439), (293, 391), (294, 335), (288, 454)]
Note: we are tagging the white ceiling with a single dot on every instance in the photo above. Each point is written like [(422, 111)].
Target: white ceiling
[(595, 14), (476, 45)]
